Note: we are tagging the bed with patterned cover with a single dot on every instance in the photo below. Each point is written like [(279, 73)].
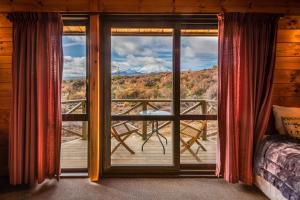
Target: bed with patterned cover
[(278, 162)]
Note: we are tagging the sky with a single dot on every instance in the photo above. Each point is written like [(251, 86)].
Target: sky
[(74, 48), (146, 54), (142, 54)]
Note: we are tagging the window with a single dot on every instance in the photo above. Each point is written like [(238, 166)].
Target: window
[(74, 143)]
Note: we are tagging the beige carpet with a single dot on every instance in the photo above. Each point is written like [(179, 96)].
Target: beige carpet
[(134, 188)]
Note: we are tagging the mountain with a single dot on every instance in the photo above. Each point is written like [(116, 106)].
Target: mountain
[(135, 71), (128, 72)]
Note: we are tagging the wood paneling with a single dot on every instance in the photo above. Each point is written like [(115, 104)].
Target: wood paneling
[(288, 35), (288, 49), (287, 90), (5, 48), (289, 22), (4, 117), (5, 89), (5, 75), (286, 101), (287, 69), (150, 6), (4, 22), (287, 62), (4, 60), (286, 76), (5, 34)]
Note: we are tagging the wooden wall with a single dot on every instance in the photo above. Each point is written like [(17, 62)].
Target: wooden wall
[(287, 70), (5, 88), (152, 6)]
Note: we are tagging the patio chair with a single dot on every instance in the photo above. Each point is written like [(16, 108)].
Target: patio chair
[(121, 131), (193, 133)]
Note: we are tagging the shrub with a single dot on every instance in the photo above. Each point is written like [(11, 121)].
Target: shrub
[(149, 83)]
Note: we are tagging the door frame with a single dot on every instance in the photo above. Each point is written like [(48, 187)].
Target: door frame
[(175, 22)]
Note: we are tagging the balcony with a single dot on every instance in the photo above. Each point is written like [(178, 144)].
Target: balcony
[(74, 142)]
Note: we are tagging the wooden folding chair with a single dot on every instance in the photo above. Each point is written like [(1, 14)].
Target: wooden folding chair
[(121, 131), (193, 133)]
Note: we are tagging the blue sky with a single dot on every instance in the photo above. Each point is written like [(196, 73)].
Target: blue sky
[(142, 54), (74, 57)]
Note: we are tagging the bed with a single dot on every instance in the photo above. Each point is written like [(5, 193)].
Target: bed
[(277, 167)]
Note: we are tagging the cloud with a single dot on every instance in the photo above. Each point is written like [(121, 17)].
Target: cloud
[(141, 54), (198, 52), (70, 41), (141, 45), (146, 54), (197, 46), (74, 67)]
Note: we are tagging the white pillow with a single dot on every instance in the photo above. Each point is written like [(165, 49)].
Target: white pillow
[(281, 111)]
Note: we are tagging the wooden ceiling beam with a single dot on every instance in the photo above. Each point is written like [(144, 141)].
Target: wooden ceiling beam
[(150, 6)]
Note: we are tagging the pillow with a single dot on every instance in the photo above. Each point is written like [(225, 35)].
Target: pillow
[(292, 126), (281, 111)]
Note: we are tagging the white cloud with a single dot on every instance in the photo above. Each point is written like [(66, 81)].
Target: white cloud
[(140, 45), (74, 67), (197, 46), (146, 54)]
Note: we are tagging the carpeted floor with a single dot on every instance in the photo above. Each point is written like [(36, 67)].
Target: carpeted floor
[(134, 188)]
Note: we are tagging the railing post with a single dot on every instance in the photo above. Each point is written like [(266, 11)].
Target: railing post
[(204, 112), (84, 123), (144, 127)]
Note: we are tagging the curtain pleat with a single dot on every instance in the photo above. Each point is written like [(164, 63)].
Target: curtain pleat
[(247, 44)]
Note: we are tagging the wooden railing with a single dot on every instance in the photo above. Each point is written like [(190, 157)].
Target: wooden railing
[(206, 107), (78, 104)]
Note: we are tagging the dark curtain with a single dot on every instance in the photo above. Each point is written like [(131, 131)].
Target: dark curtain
[(35, 127), (246, 65)]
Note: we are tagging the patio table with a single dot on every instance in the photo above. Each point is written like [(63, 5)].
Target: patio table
[(155, 127)]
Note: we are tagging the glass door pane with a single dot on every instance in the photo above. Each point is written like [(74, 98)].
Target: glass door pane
[(74, 144), (141, 85), (198, 95)]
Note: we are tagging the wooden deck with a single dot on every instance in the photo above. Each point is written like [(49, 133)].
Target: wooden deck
[(153, 152), (74, 153)]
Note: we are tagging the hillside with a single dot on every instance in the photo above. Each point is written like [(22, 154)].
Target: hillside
[(194, 84), (200, 84)]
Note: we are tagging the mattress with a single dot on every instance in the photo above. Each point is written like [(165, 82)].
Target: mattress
[(278, 161), (268, 189)]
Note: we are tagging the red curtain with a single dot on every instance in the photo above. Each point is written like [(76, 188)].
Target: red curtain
[(246, 65), (35, 127)]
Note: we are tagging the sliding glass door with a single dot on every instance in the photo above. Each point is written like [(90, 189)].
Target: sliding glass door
[(141, 86), (160, 95), (74, 135), (198, 96)]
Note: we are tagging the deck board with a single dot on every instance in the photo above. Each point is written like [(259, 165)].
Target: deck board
[(74, 153)]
